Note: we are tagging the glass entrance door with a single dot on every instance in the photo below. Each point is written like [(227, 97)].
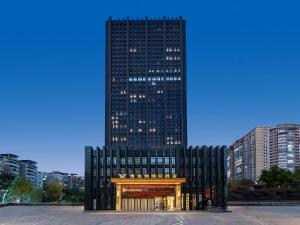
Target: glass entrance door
[(170, 203)]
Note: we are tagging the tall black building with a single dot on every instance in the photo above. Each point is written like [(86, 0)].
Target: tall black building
[(145, 164), (145, 82)]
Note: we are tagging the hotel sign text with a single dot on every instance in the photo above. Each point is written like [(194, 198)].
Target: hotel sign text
[(147, 176)]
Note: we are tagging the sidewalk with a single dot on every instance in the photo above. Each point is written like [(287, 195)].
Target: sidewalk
[(263, 203)]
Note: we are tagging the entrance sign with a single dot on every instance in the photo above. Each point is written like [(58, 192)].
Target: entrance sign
[(124, 175)]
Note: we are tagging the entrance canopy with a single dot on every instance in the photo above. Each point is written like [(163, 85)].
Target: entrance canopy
[(148, 193)]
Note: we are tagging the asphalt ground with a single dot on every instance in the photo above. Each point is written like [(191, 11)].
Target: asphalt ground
[(74, 215)]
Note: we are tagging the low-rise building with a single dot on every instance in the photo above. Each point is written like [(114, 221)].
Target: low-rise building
[(69, 181)]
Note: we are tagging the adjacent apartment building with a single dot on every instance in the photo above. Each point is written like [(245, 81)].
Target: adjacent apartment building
[(10, 163), (69, 181), (262, 148)]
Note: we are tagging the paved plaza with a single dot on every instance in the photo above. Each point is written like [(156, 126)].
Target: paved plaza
[(60, 215)]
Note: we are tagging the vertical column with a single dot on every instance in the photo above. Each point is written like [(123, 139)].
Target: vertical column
[(178, 197), (88, 203), (118, 198)]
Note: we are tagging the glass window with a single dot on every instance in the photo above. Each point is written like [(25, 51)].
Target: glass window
[(144, 170), (173, 160), (173, 170), (167, 170), (137, 160), (152, 160), (130, 160), (123, 161), (167, 160), (159, 160), (144, 160)]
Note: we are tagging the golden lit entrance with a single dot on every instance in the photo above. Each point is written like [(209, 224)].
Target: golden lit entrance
[(148, 194)]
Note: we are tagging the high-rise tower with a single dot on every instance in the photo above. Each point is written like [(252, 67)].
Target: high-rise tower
[(145, 82)]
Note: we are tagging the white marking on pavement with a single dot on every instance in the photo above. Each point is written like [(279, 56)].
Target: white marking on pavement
[(44, 220), (253, 219), (20, 218), (10, 219), (180, 220)]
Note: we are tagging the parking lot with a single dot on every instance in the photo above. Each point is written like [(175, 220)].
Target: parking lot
[(60, 215)]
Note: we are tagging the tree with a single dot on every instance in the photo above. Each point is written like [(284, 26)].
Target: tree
[(74, 195), (238, 185), (6, 180), (277, 179), (296, 176), (37, 196), (54, 191), (22, 189)]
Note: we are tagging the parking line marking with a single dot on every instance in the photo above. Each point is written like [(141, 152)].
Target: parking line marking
[(254, 220), (20, 218), (49, 218)]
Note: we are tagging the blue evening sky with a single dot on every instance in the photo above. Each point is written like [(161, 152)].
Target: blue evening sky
[(243, 71)]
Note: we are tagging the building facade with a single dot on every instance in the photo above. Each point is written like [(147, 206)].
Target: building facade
[(249, 155), (9, 163), (155, 178), (69, 181), (145, 164), (262, 148), (145, 82), (28, 169), (40, 181), (285, 146)]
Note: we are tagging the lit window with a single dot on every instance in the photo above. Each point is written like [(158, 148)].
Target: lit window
[(167, 170), (152, 160), (159, 160)]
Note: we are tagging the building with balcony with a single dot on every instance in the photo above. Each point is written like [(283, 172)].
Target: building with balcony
[(9, 163), (28, 169)]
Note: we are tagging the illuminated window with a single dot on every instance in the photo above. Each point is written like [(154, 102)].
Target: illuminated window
[(152, 160), (132, 50)]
